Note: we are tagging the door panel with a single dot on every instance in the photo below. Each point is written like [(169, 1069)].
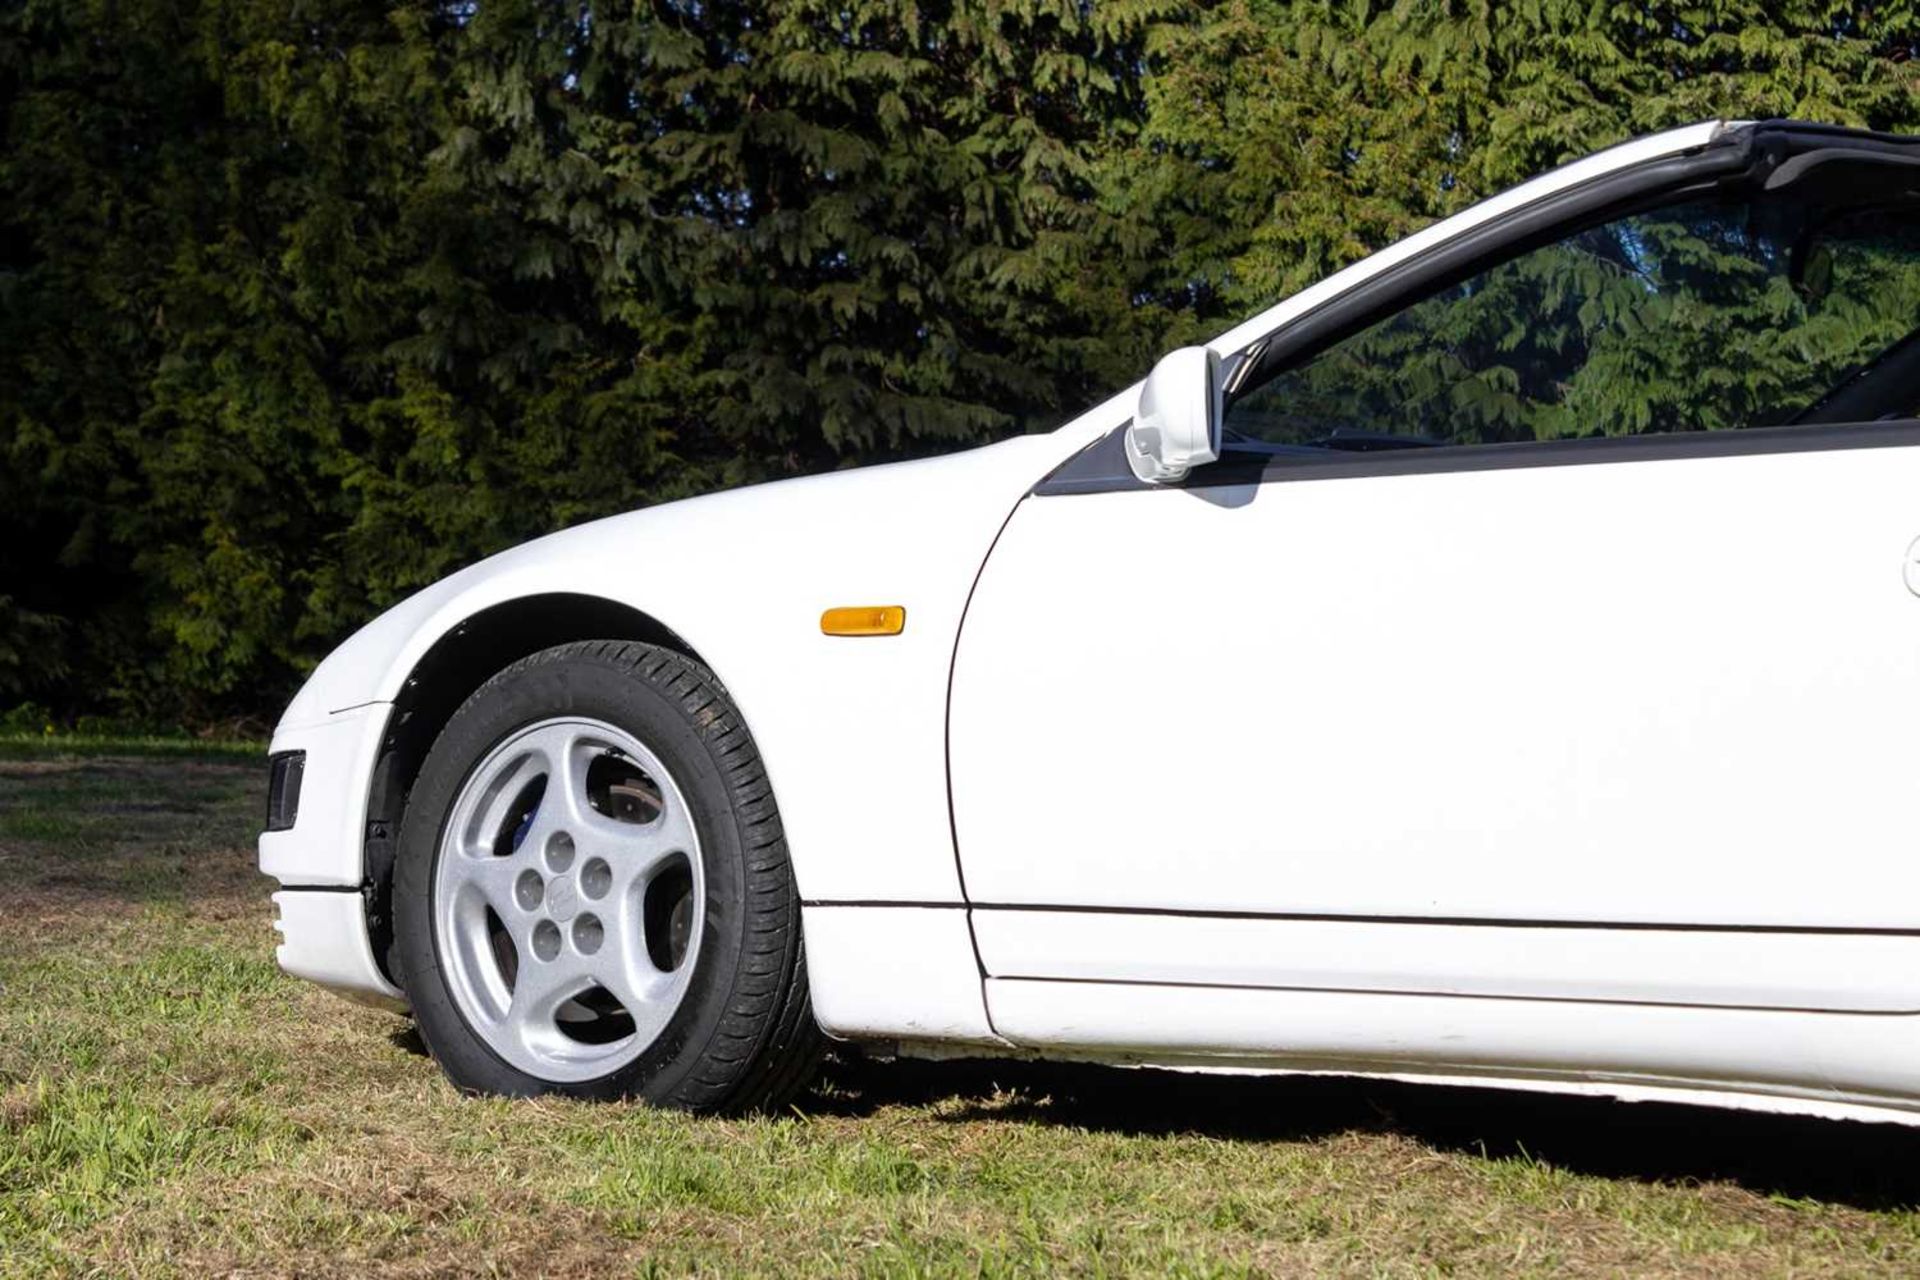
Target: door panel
[(1661, 691)]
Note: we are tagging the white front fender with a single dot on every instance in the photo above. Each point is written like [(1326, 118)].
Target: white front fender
[(852, 730)]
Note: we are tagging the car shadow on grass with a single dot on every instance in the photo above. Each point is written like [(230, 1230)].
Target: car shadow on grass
[(1867, 1166)]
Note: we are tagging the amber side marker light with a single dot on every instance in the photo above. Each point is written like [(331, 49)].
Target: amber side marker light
[(864, 620)]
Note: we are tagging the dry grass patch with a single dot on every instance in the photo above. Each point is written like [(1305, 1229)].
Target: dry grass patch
[(171, 1105)]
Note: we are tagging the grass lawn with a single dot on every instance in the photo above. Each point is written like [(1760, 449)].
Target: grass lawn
[(170, 1104)]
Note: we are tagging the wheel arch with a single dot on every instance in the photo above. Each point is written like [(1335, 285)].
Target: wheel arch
[(851, 732), (458, 662)]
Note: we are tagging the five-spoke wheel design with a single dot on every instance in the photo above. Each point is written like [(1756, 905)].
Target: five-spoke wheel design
[(568, 899), (591, 894)]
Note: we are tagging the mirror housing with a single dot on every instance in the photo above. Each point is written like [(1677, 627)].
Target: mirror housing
[(1177, 425)]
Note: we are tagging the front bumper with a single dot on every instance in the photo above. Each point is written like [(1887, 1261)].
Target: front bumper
[(323, 938), (319, 859), (324, 846)]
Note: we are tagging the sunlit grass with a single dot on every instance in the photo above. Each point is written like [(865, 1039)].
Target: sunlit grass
[(171, 1105), (18, 745)]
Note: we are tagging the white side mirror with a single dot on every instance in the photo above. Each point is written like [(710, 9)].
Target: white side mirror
[(1177, 426)]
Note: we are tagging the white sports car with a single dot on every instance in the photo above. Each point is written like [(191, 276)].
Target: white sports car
[(1498, 662)]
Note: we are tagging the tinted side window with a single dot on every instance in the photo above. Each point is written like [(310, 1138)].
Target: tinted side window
[(1696, 317)]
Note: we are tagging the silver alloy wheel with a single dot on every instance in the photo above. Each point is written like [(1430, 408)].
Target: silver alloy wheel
[(568, 899)]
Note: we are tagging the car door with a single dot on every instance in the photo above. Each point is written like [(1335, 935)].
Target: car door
[(1495, 659)]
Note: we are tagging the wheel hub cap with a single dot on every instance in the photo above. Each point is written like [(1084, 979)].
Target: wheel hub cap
[(568, 899)]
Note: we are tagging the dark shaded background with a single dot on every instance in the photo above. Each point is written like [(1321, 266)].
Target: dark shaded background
[(305, 303)]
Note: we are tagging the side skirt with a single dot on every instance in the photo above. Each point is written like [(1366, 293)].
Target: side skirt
[(1764, 1058)]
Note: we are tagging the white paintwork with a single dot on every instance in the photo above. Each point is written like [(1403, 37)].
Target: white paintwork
[(323, 846), (1324, 757), (1177, 426), (852, 731), (1865, 973), (1679, 691), (876, 536), (323, 938), (1861, 1059), (896, 972)]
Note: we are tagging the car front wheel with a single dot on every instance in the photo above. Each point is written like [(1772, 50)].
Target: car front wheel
[(592, 895)]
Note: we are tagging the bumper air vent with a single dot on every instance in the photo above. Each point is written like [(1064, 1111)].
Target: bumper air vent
[(283, 789)]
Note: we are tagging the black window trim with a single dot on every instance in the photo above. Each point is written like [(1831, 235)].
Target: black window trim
[(1102, 466), (1739, 157)]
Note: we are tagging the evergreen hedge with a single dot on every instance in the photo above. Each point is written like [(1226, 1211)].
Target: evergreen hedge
[(304, 303)]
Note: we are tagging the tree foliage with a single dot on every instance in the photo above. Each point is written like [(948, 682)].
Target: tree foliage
[(304, 303)]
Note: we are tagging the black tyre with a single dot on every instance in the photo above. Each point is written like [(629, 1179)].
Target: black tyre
[(592, 895)]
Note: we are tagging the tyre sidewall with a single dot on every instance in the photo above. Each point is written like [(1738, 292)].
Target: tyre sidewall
[(567, 686)]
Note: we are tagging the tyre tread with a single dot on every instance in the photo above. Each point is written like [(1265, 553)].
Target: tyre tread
[(766, 1045)]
